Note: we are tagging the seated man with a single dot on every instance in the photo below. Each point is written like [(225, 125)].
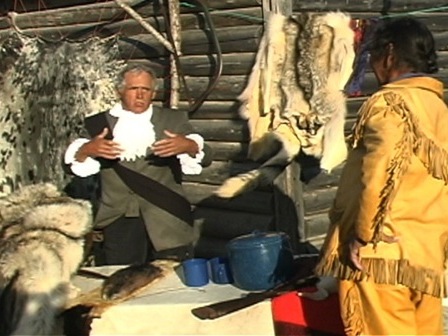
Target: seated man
[(140, 151)]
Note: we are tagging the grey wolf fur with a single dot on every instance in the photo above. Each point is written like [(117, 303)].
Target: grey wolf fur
[(294, 99), (41, 247)]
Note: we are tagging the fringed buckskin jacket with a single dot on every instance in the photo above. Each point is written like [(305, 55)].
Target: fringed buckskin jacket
[(394, 184)]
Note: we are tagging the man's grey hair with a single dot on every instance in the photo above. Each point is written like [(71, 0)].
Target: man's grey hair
[(135, 67)]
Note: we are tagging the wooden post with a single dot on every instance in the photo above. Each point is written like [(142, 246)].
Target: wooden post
[(175, 26), (288, 191)]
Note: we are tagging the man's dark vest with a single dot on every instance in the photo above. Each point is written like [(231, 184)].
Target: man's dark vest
[(147, 188)]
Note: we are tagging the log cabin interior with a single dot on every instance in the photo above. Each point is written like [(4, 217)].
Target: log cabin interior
[(217, 42)]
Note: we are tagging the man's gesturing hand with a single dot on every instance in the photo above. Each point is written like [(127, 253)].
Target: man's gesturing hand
[(99, 147), (175, 144)]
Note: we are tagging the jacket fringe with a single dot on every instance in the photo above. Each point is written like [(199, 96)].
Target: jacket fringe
[(384, 271), (413, 142), (352, 313)]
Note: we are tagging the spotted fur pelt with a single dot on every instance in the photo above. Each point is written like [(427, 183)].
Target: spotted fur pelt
[(294, 99), (46, 90), (41, 247)]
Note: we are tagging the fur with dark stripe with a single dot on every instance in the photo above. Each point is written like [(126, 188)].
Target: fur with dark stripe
[(41, 247)]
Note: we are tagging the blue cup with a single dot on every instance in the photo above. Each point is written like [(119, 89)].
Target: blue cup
[(195, 272), (220, 270)]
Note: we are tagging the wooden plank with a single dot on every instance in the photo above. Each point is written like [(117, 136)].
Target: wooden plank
[(202, 195), (227, 224)]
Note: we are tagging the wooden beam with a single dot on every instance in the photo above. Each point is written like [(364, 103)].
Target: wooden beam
[(159, 37)]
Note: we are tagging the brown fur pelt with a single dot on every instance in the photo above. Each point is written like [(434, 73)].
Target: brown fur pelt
[(41, 247), (294, 99)]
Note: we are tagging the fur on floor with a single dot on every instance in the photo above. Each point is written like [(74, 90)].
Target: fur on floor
[(294, 98), (41, 247)]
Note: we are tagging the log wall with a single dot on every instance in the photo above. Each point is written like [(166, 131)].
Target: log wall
[(238, 27)]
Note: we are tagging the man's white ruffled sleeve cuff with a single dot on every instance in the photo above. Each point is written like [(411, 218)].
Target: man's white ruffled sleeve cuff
[(82, 169), (192, 165)]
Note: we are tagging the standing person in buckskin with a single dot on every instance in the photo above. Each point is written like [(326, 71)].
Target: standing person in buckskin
[(141, 151), (388, 236)]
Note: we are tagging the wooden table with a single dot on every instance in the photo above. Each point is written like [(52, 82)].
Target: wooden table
[(165, 309)]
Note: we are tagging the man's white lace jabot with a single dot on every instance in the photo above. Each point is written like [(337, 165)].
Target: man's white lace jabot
[(133, 131)]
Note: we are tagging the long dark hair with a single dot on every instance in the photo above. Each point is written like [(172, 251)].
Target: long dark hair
[(413, 44)]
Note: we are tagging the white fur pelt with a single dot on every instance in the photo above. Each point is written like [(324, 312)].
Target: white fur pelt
[(294, 99), (41, 246)]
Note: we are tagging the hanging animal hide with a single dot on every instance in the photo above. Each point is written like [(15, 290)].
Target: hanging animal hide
[(294, 99), (46, 90), (41, 246)]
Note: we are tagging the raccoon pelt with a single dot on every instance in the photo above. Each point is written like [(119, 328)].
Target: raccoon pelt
[(294, 96), (41, 247)]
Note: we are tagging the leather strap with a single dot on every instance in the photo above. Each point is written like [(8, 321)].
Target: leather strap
[(144, 186)]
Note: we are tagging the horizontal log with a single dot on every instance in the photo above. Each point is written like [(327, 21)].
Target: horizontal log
[(214, 5), (202, 195), (319, 200), (222, 130), (219, 171), (194, 42), (370, 84), (224, 151), (106, 19), (148, 7), (204, 65), (316, 225), (227, 224), (214, 110), (434, 21), (89, 13), (229, 109), (230, 87), (360, 6)]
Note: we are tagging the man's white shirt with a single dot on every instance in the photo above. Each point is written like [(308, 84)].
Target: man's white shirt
[(134, 132)]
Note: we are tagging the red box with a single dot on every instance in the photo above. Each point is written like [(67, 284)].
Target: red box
[(294, 315)]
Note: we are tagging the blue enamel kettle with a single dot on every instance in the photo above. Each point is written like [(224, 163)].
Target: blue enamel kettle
[(260, 260)]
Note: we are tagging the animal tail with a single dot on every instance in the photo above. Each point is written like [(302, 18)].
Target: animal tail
[(25, 313), (261, 176)]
